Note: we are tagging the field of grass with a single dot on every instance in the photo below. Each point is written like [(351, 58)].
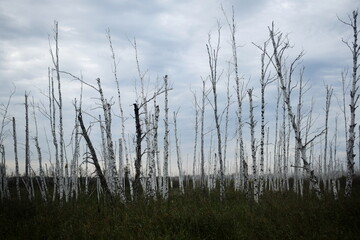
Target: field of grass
[(195, 215)]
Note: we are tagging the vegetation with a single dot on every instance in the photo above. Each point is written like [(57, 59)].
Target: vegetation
[(193, 215)]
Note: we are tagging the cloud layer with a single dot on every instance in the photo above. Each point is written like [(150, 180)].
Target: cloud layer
[(171, 38)]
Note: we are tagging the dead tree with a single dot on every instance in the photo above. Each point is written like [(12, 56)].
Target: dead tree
[(280, 45), (109, 142), (253, 147), (16, 160), (298, 122), (42, 184), (329, 92), (75, 158), (228, 102), (196, 139), (52, 119), (178, 155), (27, 143), (265, 80), (55, 60), (139, 137), (202, 134), (240, 95), (5, 121), (155, 147), (165, 189), (94, 158), (214, 78), (4, 188), (354, 97), (119, 99)]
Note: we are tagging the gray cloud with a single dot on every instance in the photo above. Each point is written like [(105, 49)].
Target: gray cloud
[(171, 38)]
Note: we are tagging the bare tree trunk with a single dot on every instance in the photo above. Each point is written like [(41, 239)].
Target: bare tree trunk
[(27, 144), (28, 177), (93, 156), (213, 58), (202, 153), (119, 99), (298, 122), (354, 97), (178, 154), (276, 160), (16, 160), (228, 99), (264, 81), (329, 92), (195, 141), (107, 171), (283, 136), (151, 180), (121, 173), (262, 139), (253, 147), (86, 169), (165, 190), (55, 59), (4, 188), (109, 142), (75, 159), (240, 94), (137, 184), (156, 146), (280, 46), (42, 185), (52, 118)]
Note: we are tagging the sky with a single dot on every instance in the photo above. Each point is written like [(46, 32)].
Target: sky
[(171, 38)]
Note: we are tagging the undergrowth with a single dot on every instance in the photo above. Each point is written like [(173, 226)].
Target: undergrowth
[(195, 215)]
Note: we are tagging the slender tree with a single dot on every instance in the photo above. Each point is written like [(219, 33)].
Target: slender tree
[(196, 139), (27, 143), (119, 98), (240, 95), (329, 92), (265, 80), (213, 55), (202, 134), (178, 155), (253, 147), (55, 60), (354, 97), (42, 185), (165, 190), (16, 160)]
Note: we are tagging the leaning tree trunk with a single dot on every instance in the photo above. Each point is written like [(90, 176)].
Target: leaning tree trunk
[(280, 46), (99, 172)]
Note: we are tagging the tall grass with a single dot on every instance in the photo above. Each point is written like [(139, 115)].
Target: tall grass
[(194, 215)]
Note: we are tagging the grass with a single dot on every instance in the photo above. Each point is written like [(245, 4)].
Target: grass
[(195, 215)]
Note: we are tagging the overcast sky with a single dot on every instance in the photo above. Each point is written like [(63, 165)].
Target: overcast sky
[(171, 38)]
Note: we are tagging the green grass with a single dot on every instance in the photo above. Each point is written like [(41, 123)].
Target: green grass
[(195, 215)]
